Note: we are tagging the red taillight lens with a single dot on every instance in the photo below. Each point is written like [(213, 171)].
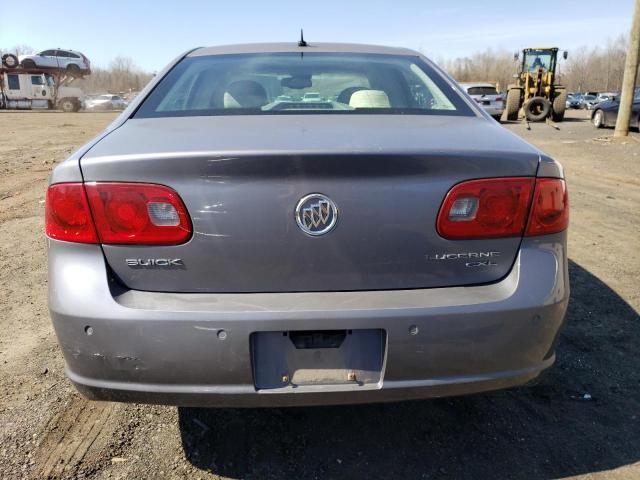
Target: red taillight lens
[(499, 207), (550, 207), (138, 213), (67, 215), (116, 213), (487, 208)]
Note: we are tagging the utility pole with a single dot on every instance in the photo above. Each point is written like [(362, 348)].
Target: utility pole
[(630, 73)]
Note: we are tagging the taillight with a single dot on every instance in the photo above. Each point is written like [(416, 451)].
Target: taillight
[(138, 213), (487, 208), (127, 213), (67, 215), (499, 207), (550, 207)]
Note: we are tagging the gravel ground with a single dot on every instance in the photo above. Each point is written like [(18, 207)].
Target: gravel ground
[(582, 421)]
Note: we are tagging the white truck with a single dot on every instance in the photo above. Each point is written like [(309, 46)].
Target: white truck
[(35, 89)]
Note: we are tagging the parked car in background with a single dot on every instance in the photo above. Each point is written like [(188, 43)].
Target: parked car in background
[(129, 96), (604, 96), (573, 100), (588, 101), (223, 245), (605, 113), (75, 63), (106, 102), (487, 97)]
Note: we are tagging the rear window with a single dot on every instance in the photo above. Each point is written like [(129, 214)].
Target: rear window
[(482, 91), (290, 83)]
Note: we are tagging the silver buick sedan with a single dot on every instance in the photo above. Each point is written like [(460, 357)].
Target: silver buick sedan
[(305, 224)]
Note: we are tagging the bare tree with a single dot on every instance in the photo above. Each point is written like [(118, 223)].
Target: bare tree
[(17, 50), (489, 66), (23, 50), (122, 76)]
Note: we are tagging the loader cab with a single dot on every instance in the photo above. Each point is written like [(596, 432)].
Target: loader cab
[(535, 58)]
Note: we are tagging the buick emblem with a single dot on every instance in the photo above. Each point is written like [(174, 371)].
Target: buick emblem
[(316, 214)]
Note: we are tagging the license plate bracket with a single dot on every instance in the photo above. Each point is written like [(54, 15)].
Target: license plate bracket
[(281, 360)]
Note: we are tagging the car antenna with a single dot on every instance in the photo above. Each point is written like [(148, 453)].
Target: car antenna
[(302, 43)]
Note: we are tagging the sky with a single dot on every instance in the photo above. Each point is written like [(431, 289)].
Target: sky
[(152, 33)]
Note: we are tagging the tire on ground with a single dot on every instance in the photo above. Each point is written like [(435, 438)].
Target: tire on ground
[(9, 60), (559, 106), (68, 105), (537, 109), (513, 104), (598, 119)]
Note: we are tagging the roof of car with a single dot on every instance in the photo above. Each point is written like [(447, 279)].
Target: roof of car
[(293, 47), (59, 48)]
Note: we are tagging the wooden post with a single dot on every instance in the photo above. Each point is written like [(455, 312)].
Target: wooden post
[(629, 80)]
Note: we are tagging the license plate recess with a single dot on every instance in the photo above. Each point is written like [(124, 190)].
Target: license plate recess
[(318, 357)]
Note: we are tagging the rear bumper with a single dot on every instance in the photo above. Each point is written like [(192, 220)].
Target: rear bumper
[(494, 111), (166, 348)]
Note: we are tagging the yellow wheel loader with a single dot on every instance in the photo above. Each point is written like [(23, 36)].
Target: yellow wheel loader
[(535, 90)]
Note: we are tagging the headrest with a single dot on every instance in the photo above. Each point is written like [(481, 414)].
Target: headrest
[(369, 99), (245, 94)]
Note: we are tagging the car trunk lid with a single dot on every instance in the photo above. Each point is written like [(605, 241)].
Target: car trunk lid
[(242, 177)]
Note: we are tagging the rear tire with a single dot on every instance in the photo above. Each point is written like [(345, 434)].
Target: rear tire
[(28, 64), (513, 104), (73, 70), (67, 105), (559, 106), (537, 109), (598, 119)]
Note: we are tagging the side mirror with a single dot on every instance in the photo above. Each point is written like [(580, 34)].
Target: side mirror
[(565, 54), (516, 56)]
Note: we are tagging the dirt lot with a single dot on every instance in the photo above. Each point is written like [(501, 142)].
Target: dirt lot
[(583, 421)]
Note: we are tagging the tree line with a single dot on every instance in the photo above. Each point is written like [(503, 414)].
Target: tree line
[(598, 68), (121, 76)]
